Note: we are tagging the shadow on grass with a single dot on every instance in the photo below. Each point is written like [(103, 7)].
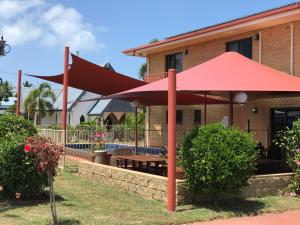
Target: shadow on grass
[(8, 204), (239, 207), (67, 222)]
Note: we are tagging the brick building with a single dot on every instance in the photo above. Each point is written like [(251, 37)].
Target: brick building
[(271, 37)]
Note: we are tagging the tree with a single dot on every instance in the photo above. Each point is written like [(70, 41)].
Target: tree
[(40, 99), (143, 70), (143, 67), (5, 91), (27, 84)]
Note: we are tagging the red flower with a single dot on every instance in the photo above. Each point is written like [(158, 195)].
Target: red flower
[(297, 162), (27, 148)]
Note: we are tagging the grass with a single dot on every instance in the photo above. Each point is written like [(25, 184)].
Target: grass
[(88, 203)]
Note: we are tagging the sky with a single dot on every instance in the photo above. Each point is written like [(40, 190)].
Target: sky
[(38, 30)]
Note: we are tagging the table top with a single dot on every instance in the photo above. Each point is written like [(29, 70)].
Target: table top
[(141, 158)]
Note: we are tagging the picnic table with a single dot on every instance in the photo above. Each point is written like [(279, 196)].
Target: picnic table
[(139, 160)]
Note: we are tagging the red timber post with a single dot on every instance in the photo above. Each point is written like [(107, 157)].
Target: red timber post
[(65, 101), (230, 109), (19, 93), (171, 140), (205, 107)]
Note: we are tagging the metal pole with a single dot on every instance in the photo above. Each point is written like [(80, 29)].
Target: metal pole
[(205, 108), (242, 118), (65, 101), (19, 93), (171, 140), (231, 109), (136, 129)]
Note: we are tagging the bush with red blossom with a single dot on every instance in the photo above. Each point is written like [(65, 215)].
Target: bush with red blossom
[(24, 163), (44, 152)]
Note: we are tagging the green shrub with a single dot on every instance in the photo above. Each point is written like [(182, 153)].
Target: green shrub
[(11, 125), (217, 159), (289, 141), (18, 172)]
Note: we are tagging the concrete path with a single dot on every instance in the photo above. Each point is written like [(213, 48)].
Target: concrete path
[(286, 218)]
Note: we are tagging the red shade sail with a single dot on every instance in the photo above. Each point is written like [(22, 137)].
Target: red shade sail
[(90, 77), (229, 72)]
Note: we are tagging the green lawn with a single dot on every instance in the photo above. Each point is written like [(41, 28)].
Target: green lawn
[(85, 202)]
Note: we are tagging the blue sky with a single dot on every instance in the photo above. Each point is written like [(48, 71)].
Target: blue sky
[(38, 30)]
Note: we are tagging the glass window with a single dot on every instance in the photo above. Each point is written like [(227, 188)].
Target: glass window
[(174, 61), (197, 116), (282, 118), (179, 117), (243, 46)]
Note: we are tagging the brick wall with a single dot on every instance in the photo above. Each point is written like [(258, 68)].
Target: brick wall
[(275, 53)]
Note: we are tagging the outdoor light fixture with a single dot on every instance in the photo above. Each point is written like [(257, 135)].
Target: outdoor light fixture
[(254, 110), (241, 98), (256, 37), (4, 48)]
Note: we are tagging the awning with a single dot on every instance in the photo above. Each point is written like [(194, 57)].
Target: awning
[(90, 77), (229, 72)]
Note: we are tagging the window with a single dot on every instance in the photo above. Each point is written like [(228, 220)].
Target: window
[(174, 61), (179, 117), (282, 118), (197, 116), (82, 119), (243, 46)]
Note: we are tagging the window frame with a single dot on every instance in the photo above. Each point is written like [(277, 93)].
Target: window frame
[(197, 122), (177, 117), (167, 61), (238, 42)]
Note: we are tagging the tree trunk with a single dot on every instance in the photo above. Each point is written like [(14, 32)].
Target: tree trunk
[(52, 197)]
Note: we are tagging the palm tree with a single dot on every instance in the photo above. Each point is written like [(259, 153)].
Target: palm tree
[(41, 99), (143, 67), (5, 90), (27, 84), (143, 70)]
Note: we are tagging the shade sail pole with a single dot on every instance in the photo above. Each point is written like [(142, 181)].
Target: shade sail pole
[(231, 108), (65, 101), (136, 129), (205, 108), (171, 140), (19, 93)]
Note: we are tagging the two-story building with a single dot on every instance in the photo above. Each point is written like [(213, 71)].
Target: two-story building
[(271, 37)]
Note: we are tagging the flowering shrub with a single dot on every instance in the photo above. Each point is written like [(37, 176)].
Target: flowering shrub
[(19, 177), (46, 155), (24, 163), (44, 152), (217, 159), (98, 140), (289, 141)]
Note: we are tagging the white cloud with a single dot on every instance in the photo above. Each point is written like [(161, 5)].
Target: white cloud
[(56, 25), (12, 8)]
